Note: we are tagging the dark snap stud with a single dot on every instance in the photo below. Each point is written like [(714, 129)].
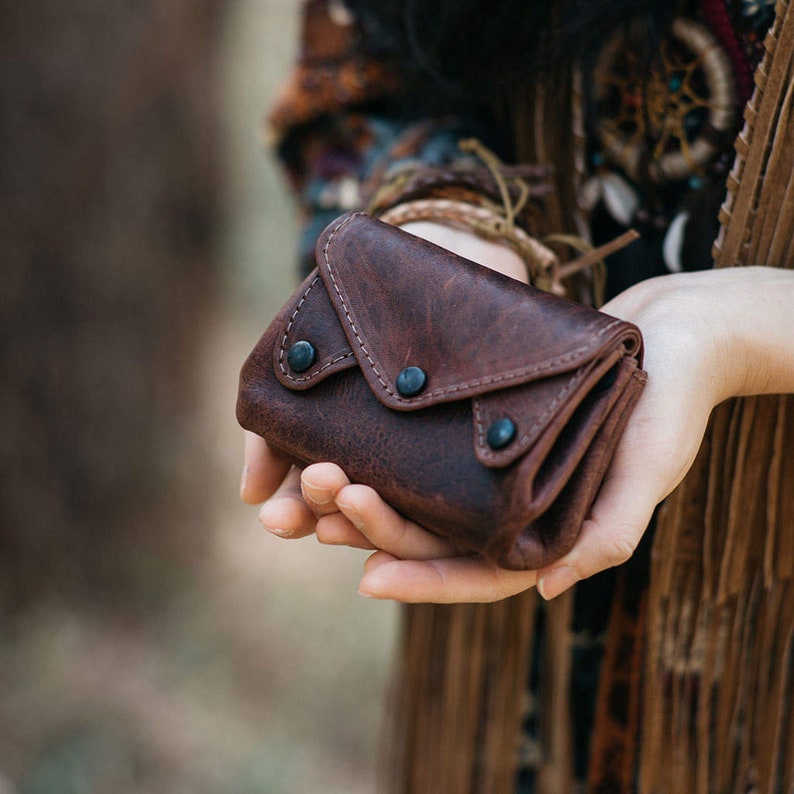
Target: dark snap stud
[(301, 356), (411, 381), (501, 433)]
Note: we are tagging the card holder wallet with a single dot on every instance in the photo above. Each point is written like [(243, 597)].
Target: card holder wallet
[(481, 408)]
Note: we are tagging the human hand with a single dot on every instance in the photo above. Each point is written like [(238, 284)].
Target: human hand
[(410, 564), (658, 446), (708, 336), (322, 501)]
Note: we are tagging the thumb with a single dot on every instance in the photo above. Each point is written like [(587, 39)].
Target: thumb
[(263, 470)]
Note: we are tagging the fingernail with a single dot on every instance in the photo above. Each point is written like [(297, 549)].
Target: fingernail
[(557, 581), (244, 479), (317, 496), (351, 514), (370, 584), (282, 533), (270, 527), (366, 590)]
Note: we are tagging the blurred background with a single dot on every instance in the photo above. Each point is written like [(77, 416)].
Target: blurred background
[(152, 637)]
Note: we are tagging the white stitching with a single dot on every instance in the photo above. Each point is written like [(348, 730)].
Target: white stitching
[(315, 373), (564, 392), (344, 305), (291, 323), (488, 381), (480, 424), (528, 436)]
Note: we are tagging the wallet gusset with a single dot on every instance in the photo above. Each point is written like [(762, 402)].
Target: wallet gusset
[(483, 409)]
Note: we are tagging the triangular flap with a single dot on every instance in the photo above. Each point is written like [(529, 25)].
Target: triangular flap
[(310, 318), (405, 302)]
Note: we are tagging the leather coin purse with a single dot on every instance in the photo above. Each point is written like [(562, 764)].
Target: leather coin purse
[(483, 409)]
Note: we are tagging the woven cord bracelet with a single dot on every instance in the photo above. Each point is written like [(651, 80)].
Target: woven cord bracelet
[(541, 262)]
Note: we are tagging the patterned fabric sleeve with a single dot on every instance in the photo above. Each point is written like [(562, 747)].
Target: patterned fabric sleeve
[(338, 124)]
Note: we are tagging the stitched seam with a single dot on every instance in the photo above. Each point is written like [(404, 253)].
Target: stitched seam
[(532, 432), (291, 322), (564, 392), (507, 376), (520, 373), (480, 424), (489, 381), (347, 313), (315, 373)]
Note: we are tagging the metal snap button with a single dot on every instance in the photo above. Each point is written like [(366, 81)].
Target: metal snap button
[(411, 381), (301, 356), (501, 433)]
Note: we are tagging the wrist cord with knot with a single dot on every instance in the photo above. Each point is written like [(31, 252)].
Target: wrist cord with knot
[(494, 221)]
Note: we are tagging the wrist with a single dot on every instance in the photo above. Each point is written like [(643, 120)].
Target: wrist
[(725, 333), (489, 253), (736, 323), (757, 307)]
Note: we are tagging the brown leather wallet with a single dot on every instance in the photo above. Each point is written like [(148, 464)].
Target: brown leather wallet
[(483, 409)]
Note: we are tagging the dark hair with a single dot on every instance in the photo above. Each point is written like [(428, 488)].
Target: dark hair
[(473, 47)]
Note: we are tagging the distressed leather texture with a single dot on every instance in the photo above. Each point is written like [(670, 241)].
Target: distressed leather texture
[(381, 300)]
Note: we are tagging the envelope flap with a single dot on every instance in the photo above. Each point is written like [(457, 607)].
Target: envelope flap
[(427, 326)]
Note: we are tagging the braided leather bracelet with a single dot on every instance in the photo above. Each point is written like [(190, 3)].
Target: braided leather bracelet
[(542, 263)]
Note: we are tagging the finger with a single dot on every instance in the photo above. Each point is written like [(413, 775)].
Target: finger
[(320, 484), (286, 514), (336, 530), (386, 529), (647, 467), (608, 538), (447, 581), (377, 559), (263, 470)]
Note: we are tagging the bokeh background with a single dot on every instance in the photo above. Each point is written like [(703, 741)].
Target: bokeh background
[(152, 637)]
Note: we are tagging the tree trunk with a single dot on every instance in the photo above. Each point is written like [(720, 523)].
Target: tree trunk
[(108, 182)]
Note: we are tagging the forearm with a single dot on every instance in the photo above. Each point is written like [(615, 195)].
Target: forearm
[(728, 331), (760, 309)]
